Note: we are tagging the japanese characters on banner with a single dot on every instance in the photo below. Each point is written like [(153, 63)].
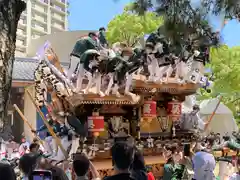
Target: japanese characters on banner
[(174, 110), (150, 109)]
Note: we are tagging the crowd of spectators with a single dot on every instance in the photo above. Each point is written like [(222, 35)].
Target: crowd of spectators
[(128, 164)]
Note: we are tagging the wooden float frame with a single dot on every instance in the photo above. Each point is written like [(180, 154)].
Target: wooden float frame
[(139, 87), (171, 88), (79, 99)]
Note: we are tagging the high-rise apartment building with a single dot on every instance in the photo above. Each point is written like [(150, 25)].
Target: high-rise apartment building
[(41, 17)]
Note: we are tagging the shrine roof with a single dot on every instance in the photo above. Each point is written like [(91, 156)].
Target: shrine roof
[(23, 69)]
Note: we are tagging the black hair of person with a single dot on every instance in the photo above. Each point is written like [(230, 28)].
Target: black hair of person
[(80, 164), (196, 107), (90, 34), (173, 148), (102, 29), (138, 161), (170, 160), (35, 140), (138, 170), (33, 145), (28, 163), (6, 171), (122, 155), (187, 150), (149, 45)]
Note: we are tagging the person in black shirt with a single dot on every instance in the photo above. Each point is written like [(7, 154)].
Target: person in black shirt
[(28, 163), (81, 166), (122, 157), (138, 169), (102, 37)]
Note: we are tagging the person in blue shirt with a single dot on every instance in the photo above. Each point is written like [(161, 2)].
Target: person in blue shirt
[(49, 144)]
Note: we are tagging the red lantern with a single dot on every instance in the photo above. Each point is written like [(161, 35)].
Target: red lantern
[(150, 109), (95, 123), (174, 108)]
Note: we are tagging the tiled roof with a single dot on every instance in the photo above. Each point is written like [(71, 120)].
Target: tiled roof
[(23, 69)]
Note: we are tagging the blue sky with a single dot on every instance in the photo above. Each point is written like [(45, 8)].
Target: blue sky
[(92, 14)]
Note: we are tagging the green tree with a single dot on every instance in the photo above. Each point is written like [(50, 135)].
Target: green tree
[(187, 20), (128, 27), (9, 16), (225, 63)]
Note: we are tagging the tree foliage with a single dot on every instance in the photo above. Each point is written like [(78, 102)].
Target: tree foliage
[(128, 27), (225, 63), (182, 20)]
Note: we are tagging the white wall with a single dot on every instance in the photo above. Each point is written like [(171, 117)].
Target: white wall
[(62, 43)]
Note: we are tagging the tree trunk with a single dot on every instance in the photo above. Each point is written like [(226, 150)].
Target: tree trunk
[(10, 11)]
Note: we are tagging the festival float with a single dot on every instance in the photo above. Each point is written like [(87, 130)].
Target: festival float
[(126, 103)]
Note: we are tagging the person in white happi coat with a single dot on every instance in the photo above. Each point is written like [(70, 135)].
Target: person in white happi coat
[(24, 147), (65, 141)]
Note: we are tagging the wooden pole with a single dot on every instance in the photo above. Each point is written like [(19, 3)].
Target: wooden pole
[(48, 126), (26, 121), (214, 112)]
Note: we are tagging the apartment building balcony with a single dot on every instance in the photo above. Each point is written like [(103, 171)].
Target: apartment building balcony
[(19, 52), (55, 8), (39, 9), (35, 36), (20, 45), (39, 19), (57, 17), (22, 23), (18, 48), (43, 2), (24, 13), (61, 3), (58, 27), (40, 29), (21, 34)]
